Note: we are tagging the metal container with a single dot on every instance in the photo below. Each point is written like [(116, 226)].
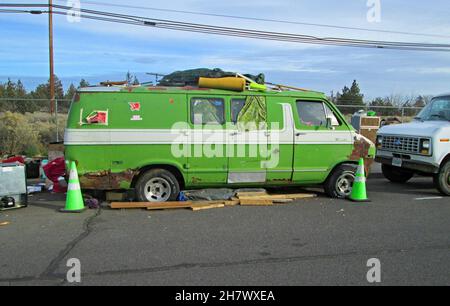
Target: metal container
[(13, 186)]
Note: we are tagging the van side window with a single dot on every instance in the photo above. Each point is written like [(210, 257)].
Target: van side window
[(236, 107), (207, 111), (311, 113)]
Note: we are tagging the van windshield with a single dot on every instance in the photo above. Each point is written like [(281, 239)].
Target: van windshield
[(437, 110)]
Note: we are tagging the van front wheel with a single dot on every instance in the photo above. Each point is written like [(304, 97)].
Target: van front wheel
[(157, 185), (340, 183), (442, 179), (396, 174)]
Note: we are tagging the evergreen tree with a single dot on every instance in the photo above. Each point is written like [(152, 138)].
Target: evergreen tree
[(350, 96), (83, 83), (129, 78), (70, 92), (42, 92), (135, 81), (21, 105), (383, 111)]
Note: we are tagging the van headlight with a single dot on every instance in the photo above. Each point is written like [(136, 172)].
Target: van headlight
[(425, 146)]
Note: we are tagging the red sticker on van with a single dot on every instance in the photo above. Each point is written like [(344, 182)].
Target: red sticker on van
[(135, 106)]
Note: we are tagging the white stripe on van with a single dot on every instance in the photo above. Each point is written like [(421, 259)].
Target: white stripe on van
[(286, 136), (144, 137)]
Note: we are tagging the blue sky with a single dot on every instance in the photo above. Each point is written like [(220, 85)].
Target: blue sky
[(99, 51)]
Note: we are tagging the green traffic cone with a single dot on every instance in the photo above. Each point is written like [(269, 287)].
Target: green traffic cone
[(359, 193), (74, 199)]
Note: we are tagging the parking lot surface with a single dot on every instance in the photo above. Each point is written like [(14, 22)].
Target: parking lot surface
[(319, 241)]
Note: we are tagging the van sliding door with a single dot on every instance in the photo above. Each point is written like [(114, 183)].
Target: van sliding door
[(248, 139), (207, 159)]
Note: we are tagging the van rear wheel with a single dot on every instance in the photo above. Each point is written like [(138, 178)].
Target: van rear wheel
[(157, 185), (442, 179), (340, 183)]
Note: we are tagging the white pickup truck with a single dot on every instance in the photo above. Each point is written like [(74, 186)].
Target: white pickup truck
[(420, 147)]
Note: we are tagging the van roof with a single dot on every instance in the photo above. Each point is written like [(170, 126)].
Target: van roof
[(197, 90), (443, 95)]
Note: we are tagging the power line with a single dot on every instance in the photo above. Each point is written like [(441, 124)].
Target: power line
[(238, 32), (263, 19)]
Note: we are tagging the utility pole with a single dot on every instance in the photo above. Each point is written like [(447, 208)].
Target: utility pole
[(50, 50)]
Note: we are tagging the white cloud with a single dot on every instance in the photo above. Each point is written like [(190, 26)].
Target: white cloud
[(421, 70)]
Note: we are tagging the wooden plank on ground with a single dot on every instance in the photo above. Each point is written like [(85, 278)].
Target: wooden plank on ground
[(251, 194), (125, 205), (197, 208), (255, 202), (232, 202), (280, 197), (162, 205), (188, 204)]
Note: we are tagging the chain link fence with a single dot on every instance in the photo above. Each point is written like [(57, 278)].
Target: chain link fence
[(402, 113)]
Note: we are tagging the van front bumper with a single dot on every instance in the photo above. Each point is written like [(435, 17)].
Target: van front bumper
[(410, 164)]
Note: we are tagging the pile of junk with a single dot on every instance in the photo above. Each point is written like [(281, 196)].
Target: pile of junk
[(21, 176)]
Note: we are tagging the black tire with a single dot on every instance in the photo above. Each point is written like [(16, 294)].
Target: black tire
[(343, 174), (169, 187), (442, 179), (396, 174)]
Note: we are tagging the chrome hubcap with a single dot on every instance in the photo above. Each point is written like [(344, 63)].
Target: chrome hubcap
[(344, 184), (157, 190)]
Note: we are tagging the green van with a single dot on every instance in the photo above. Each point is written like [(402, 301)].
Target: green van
[(160, 140)]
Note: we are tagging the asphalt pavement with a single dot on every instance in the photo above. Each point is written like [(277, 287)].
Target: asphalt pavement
[(318, 241)]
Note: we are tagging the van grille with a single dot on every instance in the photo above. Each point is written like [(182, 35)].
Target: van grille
[(401, 144)]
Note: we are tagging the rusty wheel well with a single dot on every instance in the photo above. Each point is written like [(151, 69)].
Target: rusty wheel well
[(174, 170), (348, 162)]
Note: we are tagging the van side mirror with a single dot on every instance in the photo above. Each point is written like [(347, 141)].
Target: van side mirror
[(329, 123)]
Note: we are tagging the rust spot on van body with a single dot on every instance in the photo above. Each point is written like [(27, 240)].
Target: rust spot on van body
[(361, 148), (282, 180), (194, 88), (156, 88), (107, 180), (196, 180)]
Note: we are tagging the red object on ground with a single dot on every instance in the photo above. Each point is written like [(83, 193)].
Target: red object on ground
[(55, 169), (14, 160)]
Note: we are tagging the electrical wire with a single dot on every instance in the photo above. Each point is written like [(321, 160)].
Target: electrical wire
[(262, 19), (238, 32)]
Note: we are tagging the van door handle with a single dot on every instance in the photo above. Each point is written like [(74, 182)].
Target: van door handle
[(300, 134), (234, 134), (267, 134)]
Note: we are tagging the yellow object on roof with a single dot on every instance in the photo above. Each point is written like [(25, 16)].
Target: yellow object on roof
[(228, 83)]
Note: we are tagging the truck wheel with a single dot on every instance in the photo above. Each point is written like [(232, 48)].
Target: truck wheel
[(396, 174), (157, 185), (442, 179), (340, 183)]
